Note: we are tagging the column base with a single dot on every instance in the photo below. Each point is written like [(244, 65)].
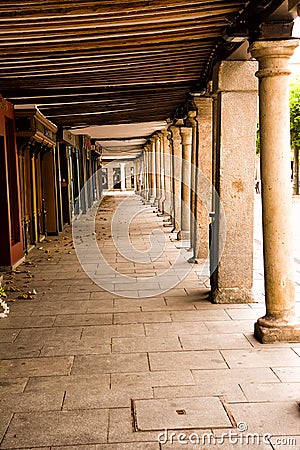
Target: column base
[(232, 295), (183, 235), (268, 331)]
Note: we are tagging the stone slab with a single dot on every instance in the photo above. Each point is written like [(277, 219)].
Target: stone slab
[(109, 331), (145, 344), (56, 428), (27, 322), (10, 350), (178, 413), (231, 392), (187, 360), (287, 374), (92, 364), (270, 392), (31, 367), (152, 379), (277, 419), (95, 397), (244, 375), (14, 385), (29, 401), (261, 358), (177, 328), (57, 348), (8, 335), (66, 320), (142, 317), (213, 341), (62, 383), (202, 315)]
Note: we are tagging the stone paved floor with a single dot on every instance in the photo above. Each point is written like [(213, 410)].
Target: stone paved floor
[(87, 369)]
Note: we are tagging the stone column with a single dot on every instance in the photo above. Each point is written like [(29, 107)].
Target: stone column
[(123, 176), (191, 122), (147, 174), (186, 140), (157, 170), (167, 172), (162, 173), (235, 86), (204, 164), (152, 172), (280, 322), (176, 174)]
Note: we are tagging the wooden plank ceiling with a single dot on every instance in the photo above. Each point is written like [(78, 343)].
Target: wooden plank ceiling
[(109, 62)]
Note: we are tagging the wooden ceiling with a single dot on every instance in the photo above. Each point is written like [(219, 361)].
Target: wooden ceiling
[(111, 61)]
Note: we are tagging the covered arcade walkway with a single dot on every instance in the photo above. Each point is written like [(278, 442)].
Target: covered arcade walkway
[(87, 369)]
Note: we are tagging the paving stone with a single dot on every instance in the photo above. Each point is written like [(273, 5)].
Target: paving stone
[(5, 418), (151, 379), (57, 348), (30, 367), (240, 326), (96, 306), (276, 419), (65, 296), (270, 392), (186, 360), (42, 335), (29, 401), (60, 307), (142, 317), (213, 341), (110, 363), (191, 440), (199, 315), (109, 331), (27, 322), (121, 428), (127, 446), (229, 391), (287, 374), (56, 428), (246, 314), (177, 413), (64, 382), (15, 385), (177, 328), (261, 357), (92, 397), (16, 350), (65, 320), (145, 344), (246, 375)]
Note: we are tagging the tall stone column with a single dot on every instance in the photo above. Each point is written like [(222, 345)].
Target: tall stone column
[(162, 173), (153, 172), (123, 176), (204, 165), (167, 172), (280, 322), (148, 170), (157, 170), (186, 140), (176, 175), (235, 86)]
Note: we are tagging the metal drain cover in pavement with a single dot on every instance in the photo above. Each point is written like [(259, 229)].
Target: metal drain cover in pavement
[(180, 413)]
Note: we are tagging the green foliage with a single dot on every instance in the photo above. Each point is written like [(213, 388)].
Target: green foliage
[(295, 111), (2, 292)]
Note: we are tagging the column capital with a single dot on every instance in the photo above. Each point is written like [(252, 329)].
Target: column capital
[(204, 107), (186, 134), (273, 56)]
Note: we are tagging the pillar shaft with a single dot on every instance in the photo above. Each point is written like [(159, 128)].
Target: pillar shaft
[(176, 177), (167, 172), (153, 172), (204, 165), (280, 323), (157, 170), (186, 140), (235, 87)]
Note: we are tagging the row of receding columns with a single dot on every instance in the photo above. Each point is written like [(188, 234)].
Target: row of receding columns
[(202, 168)]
